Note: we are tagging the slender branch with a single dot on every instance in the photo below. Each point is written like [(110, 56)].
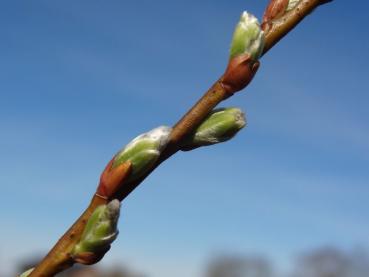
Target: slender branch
[(59, 258), (217, 93), (283, 25)]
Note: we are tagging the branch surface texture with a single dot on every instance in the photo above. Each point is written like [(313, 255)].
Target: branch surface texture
[(89, 238)]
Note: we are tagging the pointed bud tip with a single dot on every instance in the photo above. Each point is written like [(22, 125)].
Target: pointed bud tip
[(114, 205), (160, 134), (113, 209), (240, 119), (248, 38), (248, 18)]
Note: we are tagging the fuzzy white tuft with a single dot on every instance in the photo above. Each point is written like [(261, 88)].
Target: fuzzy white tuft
[(292, 4)]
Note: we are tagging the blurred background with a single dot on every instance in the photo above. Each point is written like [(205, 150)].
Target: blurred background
[(287, 197)]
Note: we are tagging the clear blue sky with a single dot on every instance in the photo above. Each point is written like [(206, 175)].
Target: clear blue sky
[(79, 79)]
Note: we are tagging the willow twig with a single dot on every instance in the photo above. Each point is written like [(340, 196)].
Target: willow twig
[(60, 256)]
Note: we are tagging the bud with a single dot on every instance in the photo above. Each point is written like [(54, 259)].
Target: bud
[(143, 151), (99, 233), (221, 125), (276, 9), (26, 273), (248, 38), (246, 48)]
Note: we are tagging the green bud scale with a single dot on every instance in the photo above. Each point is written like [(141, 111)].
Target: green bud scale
[(221, 125), (143, 151), (248, 38)]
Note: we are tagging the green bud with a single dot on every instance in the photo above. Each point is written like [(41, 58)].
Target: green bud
[(143, 151), (248, 38), (292, 4), (26, 273), (221, 125), (100, 231)]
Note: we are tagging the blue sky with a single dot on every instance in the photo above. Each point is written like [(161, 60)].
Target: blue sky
[(79, 79)]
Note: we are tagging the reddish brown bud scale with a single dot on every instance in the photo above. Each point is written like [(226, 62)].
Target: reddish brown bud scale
[(112, 178), (275, 9), (90, 258), (239, 73)]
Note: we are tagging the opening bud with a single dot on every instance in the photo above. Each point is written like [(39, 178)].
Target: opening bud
[(100, 231), (143, 151), (221, 125), (248, 38)]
